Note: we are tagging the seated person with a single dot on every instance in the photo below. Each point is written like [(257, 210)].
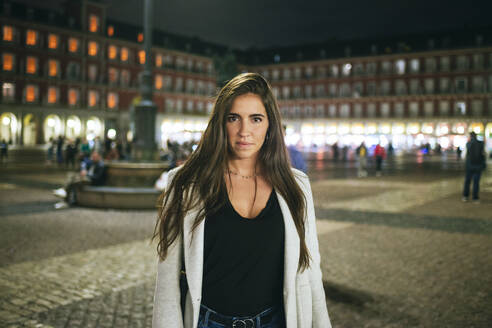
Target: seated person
[(92, 172)]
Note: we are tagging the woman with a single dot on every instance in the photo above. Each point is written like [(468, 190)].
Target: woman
[(241, 222)]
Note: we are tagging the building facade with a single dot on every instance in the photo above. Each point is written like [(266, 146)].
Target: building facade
[(409, 99), (78, 74)]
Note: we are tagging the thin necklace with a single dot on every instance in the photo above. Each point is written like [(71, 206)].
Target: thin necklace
[(242, 176)]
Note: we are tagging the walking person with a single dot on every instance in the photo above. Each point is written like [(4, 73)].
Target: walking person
[(379, 155), (362, 155), (475, 164), (240, 222)]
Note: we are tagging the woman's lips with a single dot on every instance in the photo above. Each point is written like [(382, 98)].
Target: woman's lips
[(243, 144)]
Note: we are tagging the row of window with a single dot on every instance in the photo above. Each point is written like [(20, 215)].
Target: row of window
[(460, 84), (114, 53), (411, 109), (114, 76), (179, 106), (398, 67), (31, 95)]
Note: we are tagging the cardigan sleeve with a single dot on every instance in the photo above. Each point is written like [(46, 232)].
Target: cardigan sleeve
[(320, 312), (167, 312)]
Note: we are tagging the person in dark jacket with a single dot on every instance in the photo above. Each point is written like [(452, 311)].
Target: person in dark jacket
[(92, 172), (475, 164)]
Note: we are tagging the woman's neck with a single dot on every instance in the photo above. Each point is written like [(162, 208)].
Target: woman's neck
[(243, 166)]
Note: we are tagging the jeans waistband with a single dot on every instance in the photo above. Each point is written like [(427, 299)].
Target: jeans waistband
[(255, 321)]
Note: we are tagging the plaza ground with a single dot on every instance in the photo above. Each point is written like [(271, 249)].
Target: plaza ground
[(400, 250)]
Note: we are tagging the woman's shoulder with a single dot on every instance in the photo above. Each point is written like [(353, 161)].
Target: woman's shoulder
[(300, 177)]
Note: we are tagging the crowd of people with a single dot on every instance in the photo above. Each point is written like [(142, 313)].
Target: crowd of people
[(71, 152)]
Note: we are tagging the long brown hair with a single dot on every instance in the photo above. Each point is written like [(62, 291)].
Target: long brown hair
[(200, 184)]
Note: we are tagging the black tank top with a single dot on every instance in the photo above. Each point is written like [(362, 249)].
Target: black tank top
[(243, 260)]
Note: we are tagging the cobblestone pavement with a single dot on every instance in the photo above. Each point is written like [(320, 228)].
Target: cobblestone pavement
[(397, 252)]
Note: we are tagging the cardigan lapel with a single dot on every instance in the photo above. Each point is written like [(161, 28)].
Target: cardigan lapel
[(193, 255), (291, 261)]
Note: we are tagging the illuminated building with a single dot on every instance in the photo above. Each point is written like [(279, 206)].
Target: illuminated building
[(431, 89), (78, 75)]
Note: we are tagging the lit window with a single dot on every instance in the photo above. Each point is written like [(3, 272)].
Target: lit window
[(124, 54), (112, 100), (141, 57), (92, 98), (110, 30), (31, 65), (400, 66), (140, 37), (8, 91), (52, 68), (112, 52), (31, 37), (73, 97), (113, 75), (52, 95), (52, 41), (158, 60), (92, 48), (158, 82), (8, 62), (73, 45), (93, 23), (31, 93), (8, 33)]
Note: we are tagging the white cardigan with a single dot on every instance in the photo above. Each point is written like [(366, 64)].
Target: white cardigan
[(304, 297)]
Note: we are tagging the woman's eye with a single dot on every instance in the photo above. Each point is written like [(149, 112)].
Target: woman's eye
[(257, 119), (231, 119)]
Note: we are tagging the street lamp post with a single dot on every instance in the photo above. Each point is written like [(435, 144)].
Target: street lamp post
[(145, 111)]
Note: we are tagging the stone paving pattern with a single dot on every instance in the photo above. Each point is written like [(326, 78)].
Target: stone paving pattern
[(397, 251)]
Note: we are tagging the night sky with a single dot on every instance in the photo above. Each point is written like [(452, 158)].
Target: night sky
[(265, 23)]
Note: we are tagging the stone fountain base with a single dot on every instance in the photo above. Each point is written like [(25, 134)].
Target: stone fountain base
[(128, 186)]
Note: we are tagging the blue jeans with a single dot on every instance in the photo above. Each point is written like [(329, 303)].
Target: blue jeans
[(277, 321), (472, 173)]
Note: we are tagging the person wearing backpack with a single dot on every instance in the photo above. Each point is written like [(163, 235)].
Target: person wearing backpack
[(475, 163)]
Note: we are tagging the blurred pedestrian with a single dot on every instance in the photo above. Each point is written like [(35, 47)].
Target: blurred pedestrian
[(239, 221), (70, 154), (296, 159), (458, 153), (362, 157), (334, 150), (379, 156), (51, 150), (4, 151), (59, 150), (475, 164)]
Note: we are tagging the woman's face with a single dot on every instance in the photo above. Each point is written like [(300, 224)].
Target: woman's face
[(247, 125)]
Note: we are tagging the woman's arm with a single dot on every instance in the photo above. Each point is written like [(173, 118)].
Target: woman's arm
[(320, 311), (167, 312)]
